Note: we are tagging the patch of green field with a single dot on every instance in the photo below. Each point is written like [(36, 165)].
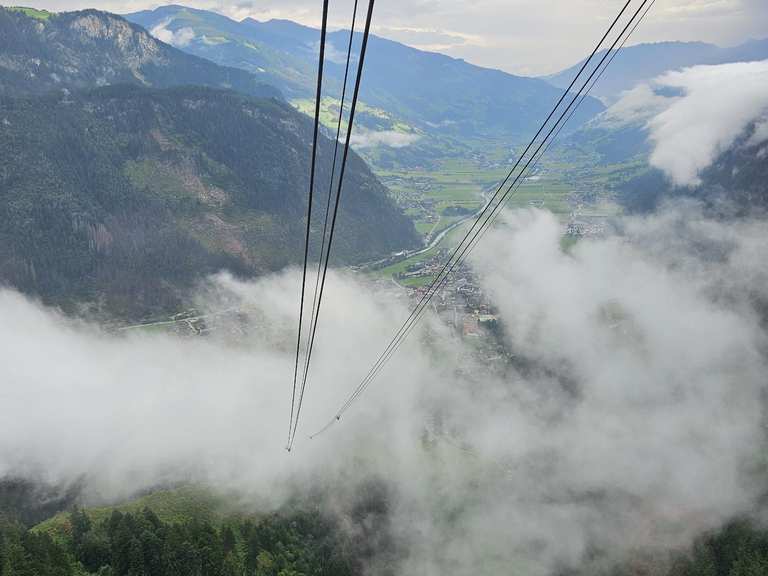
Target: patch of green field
[(215, 40), (424, 228), (445, 222), (545, 193), (368, 116), (402, 266), (172, 506), (161, 327), (426, 194), (162, 180), (416, 282), (449, 242), (33, 12), (562, 184)]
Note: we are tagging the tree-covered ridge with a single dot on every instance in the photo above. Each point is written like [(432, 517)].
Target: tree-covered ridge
[(140, 544), (738, 549), (86, 49), (292, 543), (126, 196)]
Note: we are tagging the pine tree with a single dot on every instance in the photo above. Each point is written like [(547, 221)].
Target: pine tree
[(228, 539), (81, 525), (749, 564)]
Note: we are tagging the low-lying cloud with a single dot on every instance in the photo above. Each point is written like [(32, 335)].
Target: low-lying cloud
[(720, 102), (716, 105), (631, 414), (391, 138), (636, 106), (179, 38)]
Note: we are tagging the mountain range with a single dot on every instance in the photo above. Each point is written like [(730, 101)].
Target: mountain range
[(643, 62), (122, 197), (42, 52), (422, 91)]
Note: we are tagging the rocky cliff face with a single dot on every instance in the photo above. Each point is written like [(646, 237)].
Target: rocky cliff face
[(80, 50)]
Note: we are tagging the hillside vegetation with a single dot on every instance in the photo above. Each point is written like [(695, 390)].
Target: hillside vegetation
[(190, 531), (42, 52), (126, 196), (173, 506), (142, 544), (140, 539), (122, 197)]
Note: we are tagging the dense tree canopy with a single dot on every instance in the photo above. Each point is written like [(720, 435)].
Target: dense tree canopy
[(142, 545)]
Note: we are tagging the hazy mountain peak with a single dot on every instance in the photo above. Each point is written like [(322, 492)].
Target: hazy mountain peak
[(88, 48), (645, 61), (423, 89)]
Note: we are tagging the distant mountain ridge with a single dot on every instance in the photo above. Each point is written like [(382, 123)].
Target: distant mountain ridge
[(282, 60), (433, 92), (81, 50), (642, 62)]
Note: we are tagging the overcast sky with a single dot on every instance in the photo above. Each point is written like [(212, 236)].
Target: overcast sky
[(519, 36)]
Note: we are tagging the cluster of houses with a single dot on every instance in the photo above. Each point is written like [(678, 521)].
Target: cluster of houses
[(459, 301), (584, 227)]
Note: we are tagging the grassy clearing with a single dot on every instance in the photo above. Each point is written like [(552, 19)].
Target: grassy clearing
[(33, 12), (416, 282), (424, 228), (426, 195), (545, 193), (448, 242), (562, 184), (402, 266), (370, 116), (172, 506)]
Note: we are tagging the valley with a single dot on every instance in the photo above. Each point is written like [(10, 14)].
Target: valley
[(441, 201)]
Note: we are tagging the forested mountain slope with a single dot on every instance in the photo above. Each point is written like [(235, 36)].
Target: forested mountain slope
[(122, 197), (126, 196), (141, 544)]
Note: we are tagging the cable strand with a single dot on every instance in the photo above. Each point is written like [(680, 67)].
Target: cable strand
[(353, 106), (451, 263), (309, 210), (312, 327), (426, 296)]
